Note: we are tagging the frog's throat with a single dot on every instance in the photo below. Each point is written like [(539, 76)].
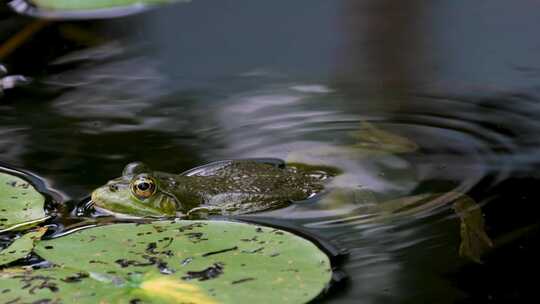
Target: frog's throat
[(161, 202)]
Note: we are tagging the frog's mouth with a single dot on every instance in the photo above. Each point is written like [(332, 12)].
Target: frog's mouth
[(118, 215)]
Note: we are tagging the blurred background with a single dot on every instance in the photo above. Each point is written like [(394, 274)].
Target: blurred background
[(190, 83)]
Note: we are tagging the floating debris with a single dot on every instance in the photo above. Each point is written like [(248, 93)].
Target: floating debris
[(219, 251), (8, 82)]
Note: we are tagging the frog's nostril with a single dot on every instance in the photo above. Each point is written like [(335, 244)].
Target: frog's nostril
[(113, 188)]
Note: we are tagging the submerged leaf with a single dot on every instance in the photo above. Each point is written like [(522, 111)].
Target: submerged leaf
[(369, 210), (21, 247), (21, 205), (373, 138), (474, 239), (370, 141), (196, 261)]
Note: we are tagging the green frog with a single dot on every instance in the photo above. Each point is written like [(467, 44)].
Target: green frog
[(225, 187)]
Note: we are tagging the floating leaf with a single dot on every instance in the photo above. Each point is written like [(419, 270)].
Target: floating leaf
[(21, 247), (474, 239), (21, 205), (197, 261)]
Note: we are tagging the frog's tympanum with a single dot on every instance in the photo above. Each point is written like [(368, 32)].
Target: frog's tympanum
[(225, 187)]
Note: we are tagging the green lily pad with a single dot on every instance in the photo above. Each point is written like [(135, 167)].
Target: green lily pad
[(196, 261), (21, 247), (94, 4), (65, 285), (54, 285), (21, 205)]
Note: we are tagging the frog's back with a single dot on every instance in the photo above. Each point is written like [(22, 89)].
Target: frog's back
[(249, 185)]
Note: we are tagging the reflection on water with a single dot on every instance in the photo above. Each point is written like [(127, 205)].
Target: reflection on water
[(406, 107)]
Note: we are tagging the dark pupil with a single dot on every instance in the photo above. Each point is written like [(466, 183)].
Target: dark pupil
[(143, 186)]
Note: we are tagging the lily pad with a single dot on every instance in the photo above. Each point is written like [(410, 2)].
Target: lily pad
[(54, 285), (65, 285), (21, 205), (21, 247), (94, 4), (84, 9), (196, 261)]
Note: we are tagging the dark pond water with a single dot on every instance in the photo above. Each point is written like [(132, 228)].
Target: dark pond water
[(210, 80)]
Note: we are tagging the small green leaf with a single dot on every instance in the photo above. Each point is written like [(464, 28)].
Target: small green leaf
[(196, 261), (21, 205), (21, 247)]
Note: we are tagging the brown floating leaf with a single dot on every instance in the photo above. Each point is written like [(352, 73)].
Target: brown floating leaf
[(474, 239)]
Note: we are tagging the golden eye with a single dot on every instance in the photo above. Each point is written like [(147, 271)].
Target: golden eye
[(143, 186)]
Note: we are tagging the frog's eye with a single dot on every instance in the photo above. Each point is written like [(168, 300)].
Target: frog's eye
[(143, 186)]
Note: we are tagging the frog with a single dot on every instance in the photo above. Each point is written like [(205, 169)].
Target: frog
[(228, 187), (237, 187)]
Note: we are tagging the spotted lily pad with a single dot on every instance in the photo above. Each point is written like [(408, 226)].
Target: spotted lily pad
[(54, 285), (21, 205), (196, 262), (65, 285), (21, 247)]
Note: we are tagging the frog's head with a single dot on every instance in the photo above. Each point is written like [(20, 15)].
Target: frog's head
[(136, 193)]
